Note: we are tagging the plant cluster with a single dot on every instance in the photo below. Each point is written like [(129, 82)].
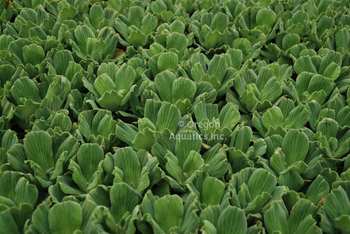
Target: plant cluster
[(175, 116)]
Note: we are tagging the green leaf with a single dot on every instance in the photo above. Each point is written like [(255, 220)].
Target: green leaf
[(328, 127), (290, 40), (164, 82), (317, 190), (208, 227), (16, 156), (177, 41), (291, 179), (8, 184), (40, 218), (272, 117), (68, 12), (127, 161), (241, 139), (125, 78), (168, 212), (149, 23), (320, 83), (328, 60), (25, 88), (304, 63), (96, 15), (295, 146), (266, 17), (271, 91), (38, 147), (189, 140), (173, 168), (296, 118), (219, 22), (261, 181), (212, 39), (33, 54), (229, 116), (145, 140), (193, 163), (242, 44), (302, 216), (25, 193), (111, 100), (167, 61), (137, 37), (211, 214), (8, 223), (232, 220), (275, 219), (183, 88), (211, 184), (168, 117), (337, 203), (135, 16), (217, 67), (343, 223), (123, 199), (103, 84), (332, 71), (88, 158), (61, 61), (65, 217)]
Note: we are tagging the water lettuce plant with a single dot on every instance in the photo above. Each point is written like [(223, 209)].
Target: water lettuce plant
[(174, 116)]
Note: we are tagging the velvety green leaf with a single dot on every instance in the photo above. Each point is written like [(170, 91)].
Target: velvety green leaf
[(328, 127), (65, 217), (168, 117), (40, 218), (38, 147), (272, 117), (229, 116), (297, 118), (211, 184), (167, 61), (127, 161), (125, 78), (217, 67), (317, 190), (61, 61), (275, 219), (164, 82), (219, 22), (304, 64), (232, 220), (88, 157), (123, 199), (104, 83), (295, 146), (189, 140), (168, 212), (261, 181), (8, 223), (337, 203), (183, 88), (33, 54), (302, 218), (96, 15), (177, 41), (25, 88), (25, 193)]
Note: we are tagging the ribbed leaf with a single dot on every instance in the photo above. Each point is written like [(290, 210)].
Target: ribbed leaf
[(38, 147), (65, 217)]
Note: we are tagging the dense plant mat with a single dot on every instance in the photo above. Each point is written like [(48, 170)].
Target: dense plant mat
[(175, 116)]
